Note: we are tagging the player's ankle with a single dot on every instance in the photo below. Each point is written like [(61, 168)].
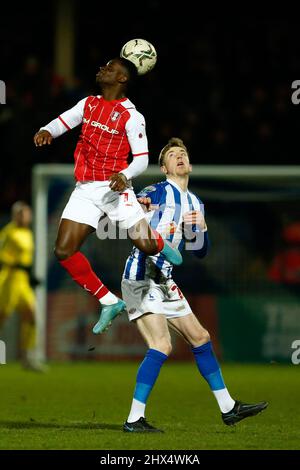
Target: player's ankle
[(108, 299)]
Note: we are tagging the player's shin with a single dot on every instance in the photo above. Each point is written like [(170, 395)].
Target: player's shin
[(146, 378), (28, 343), (81, 272), (209, 368), (28, 336)]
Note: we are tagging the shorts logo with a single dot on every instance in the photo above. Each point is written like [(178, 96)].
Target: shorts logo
[(127, 203), (151, 297), (114, 115)]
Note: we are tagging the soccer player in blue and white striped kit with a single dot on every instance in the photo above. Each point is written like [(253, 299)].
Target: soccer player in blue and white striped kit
[(154, 302)]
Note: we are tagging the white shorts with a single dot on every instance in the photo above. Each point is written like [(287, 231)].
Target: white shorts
[(92, 199), (148, 297)]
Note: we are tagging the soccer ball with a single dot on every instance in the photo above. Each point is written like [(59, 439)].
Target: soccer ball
[(141, 53)]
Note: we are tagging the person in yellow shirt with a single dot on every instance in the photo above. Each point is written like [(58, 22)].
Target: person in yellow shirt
[(16, 292)]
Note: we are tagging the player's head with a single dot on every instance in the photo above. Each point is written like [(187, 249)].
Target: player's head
[(118, 71), (174, 158), (21, 214)]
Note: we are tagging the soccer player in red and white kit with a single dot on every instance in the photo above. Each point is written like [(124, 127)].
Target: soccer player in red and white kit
[(111, 128)]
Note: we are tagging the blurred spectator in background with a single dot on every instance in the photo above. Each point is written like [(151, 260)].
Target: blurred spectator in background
[(16, 280), (285, 268)]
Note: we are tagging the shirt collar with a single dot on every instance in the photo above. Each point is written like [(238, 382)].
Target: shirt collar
[(177, 186)]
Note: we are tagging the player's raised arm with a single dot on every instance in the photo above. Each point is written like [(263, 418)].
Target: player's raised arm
[(66, 121)]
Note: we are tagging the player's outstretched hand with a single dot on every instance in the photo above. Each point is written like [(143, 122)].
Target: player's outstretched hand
[(42, 138), (146, 204), (195, 218), (118, 182)]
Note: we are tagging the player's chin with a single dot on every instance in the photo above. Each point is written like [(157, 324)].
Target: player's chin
[(182, 170)]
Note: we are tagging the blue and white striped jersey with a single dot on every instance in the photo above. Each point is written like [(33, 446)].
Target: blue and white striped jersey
[(171, 204)]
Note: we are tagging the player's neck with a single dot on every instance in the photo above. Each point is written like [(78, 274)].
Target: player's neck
[(181, 181), (110, 94)]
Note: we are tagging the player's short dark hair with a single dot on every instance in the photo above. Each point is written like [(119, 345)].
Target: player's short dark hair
[(173, 142), (130, 68)]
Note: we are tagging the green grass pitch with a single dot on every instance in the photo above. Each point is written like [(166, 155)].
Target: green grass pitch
[(83, 406)]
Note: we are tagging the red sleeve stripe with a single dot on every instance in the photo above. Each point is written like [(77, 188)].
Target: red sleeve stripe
[(139, 154), (64, 123)]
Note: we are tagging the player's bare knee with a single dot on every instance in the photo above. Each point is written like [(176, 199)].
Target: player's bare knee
[(63, 252), (202, 336), (205, 336), (163, 346)]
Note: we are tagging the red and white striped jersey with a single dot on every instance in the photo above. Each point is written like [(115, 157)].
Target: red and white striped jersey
[(110, 130)]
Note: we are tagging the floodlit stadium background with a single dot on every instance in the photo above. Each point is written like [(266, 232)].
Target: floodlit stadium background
[(224, 87)]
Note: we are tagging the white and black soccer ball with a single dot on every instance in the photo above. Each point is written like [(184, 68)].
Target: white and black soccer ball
[(141, 53)]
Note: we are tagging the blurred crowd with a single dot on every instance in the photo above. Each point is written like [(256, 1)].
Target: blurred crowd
[(224, 88)]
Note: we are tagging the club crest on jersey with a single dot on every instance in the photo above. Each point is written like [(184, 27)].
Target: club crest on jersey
[(114, 115), (147, 190), (91, 107)]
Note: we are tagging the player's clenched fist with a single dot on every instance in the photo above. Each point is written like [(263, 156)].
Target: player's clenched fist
[(42, 138), (195, 218), (118, 182), (146, 204)]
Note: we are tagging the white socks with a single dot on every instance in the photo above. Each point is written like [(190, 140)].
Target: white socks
[(108, 299), (225, 402), (137, 410)]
